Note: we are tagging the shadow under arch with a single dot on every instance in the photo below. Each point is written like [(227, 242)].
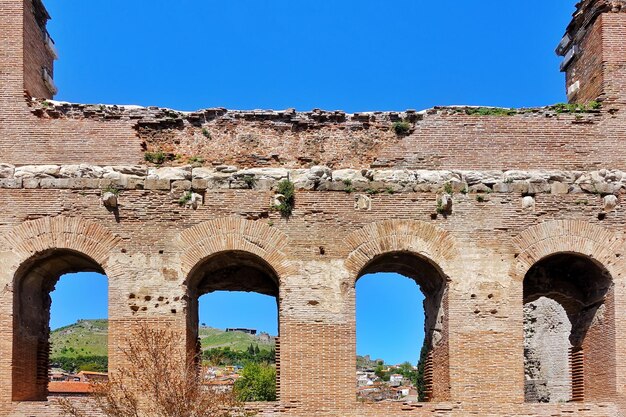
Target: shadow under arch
[(569, 329), (434, 358), (33, 282)]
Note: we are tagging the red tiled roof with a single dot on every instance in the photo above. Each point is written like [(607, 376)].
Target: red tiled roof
[(66, 387)]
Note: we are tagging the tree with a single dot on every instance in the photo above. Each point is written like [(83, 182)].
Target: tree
[(420, 382), (157, 380), (257, 383)]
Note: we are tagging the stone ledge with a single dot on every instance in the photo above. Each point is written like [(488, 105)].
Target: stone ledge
[(317, 178)]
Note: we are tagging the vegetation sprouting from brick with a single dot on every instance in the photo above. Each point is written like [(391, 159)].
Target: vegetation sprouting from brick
[(559, 108), (185, 198), (287, 199), (401, 127)]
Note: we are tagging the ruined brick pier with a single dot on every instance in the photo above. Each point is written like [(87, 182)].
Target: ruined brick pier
[(506, 218)]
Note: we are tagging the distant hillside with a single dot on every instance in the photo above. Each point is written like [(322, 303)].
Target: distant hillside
[(89, 338), (213, 338), (84, 338)]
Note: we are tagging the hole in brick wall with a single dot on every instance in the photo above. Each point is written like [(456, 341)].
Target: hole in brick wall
[(60, 327), (402, 341), (233, 321), (568, 307)]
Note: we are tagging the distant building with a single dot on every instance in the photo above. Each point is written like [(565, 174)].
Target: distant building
[(248, 331), (86, 376), (395, 380)]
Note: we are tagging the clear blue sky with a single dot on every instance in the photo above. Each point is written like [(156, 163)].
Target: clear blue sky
[(345, 54), (353, 55)]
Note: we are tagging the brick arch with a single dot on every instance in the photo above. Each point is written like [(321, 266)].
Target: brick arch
[(434, 249), (591, 355), (40, 251), (568, 236), (421, 238), (234, 234), (72, 233)]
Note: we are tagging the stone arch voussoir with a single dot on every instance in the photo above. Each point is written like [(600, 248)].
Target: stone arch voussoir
[(234, 234), (435, 244), (575, 236), (73, 233)]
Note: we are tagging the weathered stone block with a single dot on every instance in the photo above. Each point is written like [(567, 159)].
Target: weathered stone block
[(157, 184), (10, 183), (559, 188), (55, 183), (181, 185), (6, 170), (199, 184)]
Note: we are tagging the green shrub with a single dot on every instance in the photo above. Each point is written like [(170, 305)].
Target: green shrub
[(157, 157), (257, 382), (186, 198), (401, 127), (250, 181), (287, 189)]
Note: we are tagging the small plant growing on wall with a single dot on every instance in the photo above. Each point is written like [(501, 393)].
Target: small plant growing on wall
[(348, 185), (185, 199), (196, 160), (112, 188), (286, 203), (206, 133), (401, 127), (157, 157), (250, 181)]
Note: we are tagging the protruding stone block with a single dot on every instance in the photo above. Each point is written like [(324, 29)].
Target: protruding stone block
[(610, 202), (109, 200), (528, 203), (362, 202)]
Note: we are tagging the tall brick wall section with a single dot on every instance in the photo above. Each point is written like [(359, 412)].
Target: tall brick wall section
[(588, 68), (36, 55), (614, 52), (500, 225)]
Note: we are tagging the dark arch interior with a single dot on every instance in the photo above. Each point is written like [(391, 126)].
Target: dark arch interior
[(577, 282), (424, 272), (233, 271), (33, 282), (584, 290), (433, 284)]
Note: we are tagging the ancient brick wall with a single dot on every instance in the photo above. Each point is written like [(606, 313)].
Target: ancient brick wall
[(523, 185)]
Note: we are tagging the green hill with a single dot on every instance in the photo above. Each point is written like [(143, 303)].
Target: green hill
[(84, 338), (214, 338), (89, 338)]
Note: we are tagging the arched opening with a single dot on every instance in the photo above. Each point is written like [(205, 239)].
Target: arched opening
[(34, 282), (229, 279), (431, 376), (569, 330)]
